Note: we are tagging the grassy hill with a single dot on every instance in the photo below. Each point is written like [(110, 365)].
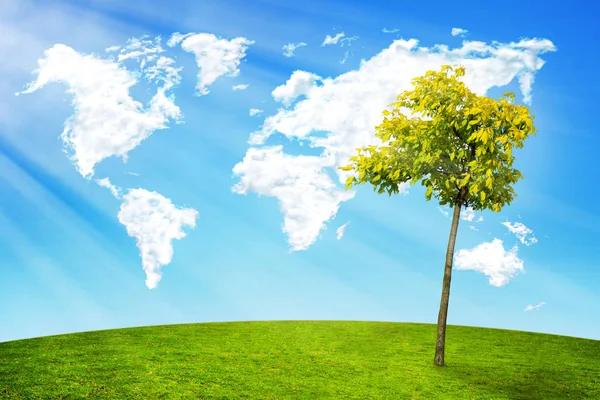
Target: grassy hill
[(299, 360)]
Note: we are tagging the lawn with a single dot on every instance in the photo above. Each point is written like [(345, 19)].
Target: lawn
[(299, 360)]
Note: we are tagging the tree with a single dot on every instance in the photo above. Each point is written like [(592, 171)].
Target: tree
[(458, 144)]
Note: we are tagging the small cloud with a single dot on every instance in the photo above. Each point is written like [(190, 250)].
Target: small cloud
[(142, 49), (348, 41), (177, 38), (491, 259), (468, 214), (288, 49), (346, 54), (132, 173), (340, 231), (459, 32), (254, 111), (146, 52), (480, 219), (531, 308), (299, 84), (112, 49), (523, 233), (444, 212), (395, 30), (332, 40), (240, 87), (473, 228), (105, 183), (404, 188)]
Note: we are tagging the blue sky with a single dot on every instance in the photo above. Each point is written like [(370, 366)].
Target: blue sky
[(229, 216)]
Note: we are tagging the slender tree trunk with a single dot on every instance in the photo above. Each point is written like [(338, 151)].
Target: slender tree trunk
[(443, 314)]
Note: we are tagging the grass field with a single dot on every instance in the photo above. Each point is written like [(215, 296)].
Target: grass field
[(299, 360)]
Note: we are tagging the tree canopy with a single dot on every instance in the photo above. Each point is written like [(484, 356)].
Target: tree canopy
[(458, 144)]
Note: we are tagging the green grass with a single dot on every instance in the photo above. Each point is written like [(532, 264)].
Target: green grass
[(299, 360)]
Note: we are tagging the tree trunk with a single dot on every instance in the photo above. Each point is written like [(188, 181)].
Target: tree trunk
[(443, 314)]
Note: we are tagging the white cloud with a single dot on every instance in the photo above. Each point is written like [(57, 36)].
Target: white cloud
[(133, 173), (107, 121), (459, 32), (490, 258), (299, 84), (163, 71), (473, 228), (349, 106), (347, 41), (467, 214), (140, 49), (154, 222), (329, 40), (240, 87), (341, 230), (480, 219), (255, 111), (346, 54), (531, 308), (404, 188), (146, 51), (215, 57), (339, 114), (523, 233), (288, 49), (395, 30), (114, 190), (307, 195)]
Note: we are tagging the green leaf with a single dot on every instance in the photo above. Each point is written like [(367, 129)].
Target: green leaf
[(429, 192)]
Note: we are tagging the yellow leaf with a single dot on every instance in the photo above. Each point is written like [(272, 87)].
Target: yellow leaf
[(484, 136)]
